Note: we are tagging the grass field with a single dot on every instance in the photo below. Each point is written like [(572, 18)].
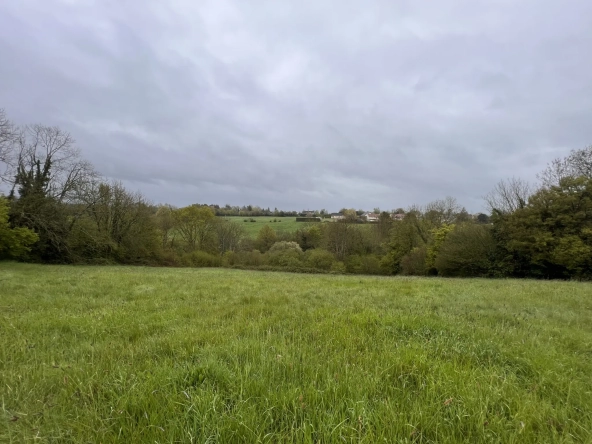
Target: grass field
[(121, 354), (287, 224)]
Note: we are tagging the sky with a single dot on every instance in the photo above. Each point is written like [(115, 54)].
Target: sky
[(305, 104)]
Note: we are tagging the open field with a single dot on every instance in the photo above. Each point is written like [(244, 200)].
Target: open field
[(122, 354), (287, 224)]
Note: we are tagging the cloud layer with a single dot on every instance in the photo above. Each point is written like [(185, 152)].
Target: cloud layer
[(309, 104)]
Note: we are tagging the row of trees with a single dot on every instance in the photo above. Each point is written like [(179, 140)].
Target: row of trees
[(541, 231), (57, 208)]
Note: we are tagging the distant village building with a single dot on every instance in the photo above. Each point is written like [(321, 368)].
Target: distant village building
[(398, 216), (371, 217), (337, 216)]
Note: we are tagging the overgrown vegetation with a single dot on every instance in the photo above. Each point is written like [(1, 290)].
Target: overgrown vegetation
[(60, 210), (130, 354)]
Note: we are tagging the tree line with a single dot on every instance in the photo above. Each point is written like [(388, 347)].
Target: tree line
[(59, 209)]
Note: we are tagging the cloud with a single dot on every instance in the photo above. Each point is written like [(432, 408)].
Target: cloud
[(319, 104)]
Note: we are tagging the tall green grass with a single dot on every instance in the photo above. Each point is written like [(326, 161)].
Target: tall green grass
[(121, 354)]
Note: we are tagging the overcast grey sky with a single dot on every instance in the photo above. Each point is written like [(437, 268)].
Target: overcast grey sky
[(305, 104)]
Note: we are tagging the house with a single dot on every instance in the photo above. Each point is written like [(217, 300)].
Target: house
[(307, 213), (337, 216), (371, 217), (398, 216)]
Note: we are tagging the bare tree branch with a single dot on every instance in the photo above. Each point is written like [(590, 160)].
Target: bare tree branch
[(508, 196), (8, 135), (578, 163), (53, 150)]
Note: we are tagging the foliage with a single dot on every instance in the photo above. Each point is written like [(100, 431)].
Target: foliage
[(266, 238), (343, 237), (310, 237), (229, 235), (577, 164), (201, 259), (60, 210), (196, 225), (15, 243), (468, 250), (414, 263), (438, 238), (554, 231), (406, 235), (287, 254), (363, 264), (319, 259)]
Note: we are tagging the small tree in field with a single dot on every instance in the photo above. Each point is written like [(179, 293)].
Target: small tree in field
[(266, 238)]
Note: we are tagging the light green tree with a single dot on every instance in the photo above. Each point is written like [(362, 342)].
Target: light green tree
[(266, 238), (196, 225), (14, 242)]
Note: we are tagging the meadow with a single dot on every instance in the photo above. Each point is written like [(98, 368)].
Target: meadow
[(124, 354), (279, 224)]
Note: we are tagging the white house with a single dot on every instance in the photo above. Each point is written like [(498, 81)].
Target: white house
[(371, 217)]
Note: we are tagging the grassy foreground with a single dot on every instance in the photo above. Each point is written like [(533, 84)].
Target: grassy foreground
[(121, 354)]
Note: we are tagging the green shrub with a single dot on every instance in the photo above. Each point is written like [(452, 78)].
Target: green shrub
[(229, 259), (320, 259), (338, 268), (371, 265), (469, 250), (285, 246), (414, 263), (249, 258), (285, 254), (201, 259), (353, 264)]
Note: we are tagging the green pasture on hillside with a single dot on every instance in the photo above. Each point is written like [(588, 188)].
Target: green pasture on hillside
[(281, 224), (154, 355)]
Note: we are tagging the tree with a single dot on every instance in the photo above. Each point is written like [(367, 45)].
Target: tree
[(50, 186), (265, 238), (285, 254), (165, 223), (554, 231), (34, 210), (508, 196), (442, 211), (196, 225), (309, 237), (117, 225), (51, 153), (14, 242), (229, 235), (439, 236), (343, 236), (577, 164), (383, 227), (320, 259), (8, 134), (411, 233), (468, 250), (482, 218), (463, 216)]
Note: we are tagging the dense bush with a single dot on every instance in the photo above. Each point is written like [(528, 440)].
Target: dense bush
[(467, 251), (286, 254), (201, 259), (319, 259), (414, 263), (338, 268)]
